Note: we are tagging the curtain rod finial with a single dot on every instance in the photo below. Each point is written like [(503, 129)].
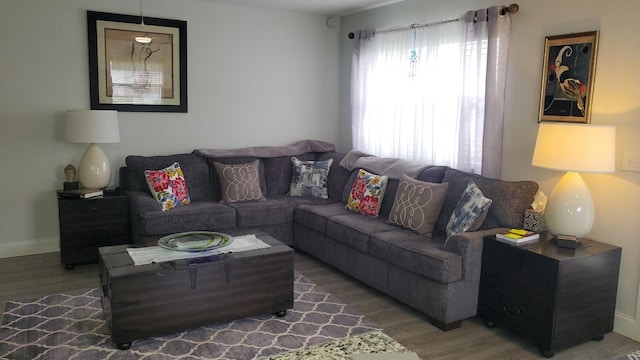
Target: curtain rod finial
[(351, 35), (511, 9)]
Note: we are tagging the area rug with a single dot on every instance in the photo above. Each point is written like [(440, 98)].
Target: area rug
[(70, 326), (635, 355)]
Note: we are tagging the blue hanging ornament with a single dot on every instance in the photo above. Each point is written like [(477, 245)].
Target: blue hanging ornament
[(413, 57)]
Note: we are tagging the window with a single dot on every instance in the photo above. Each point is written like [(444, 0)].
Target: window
[(420, 94)]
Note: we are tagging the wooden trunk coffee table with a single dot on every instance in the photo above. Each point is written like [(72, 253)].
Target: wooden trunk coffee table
[(158, 299)]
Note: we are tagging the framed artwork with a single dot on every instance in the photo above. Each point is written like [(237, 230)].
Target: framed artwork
[(567, 77), (136, 65)]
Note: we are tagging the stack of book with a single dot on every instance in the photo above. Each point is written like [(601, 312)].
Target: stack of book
[(80, 193), (518, 236)]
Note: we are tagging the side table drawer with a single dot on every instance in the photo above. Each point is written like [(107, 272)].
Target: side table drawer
[(92, 214)]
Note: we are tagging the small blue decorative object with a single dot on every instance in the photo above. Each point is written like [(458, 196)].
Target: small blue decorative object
[(413, 58)]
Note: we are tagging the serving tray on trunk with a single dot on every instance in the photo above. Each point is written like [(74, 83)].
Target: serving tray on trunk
[(195, 241)]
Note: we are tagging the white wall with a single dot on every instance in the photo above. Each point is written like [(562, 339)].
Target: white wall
[(615, 101), (255, 77)]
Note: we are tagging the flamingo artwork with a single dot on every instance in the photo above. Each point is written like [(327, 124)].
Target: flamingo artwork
[(571, 87)]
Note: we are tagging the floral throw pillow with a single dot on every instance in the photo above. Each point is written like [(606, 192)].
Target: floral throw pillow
[(309, 178), (168, 186), (367, 193), (470, 212)]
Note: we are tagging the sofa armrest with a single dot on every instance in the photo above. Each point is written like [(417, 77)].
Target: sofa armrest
[(140, 202), (462, 242), (469, 246)]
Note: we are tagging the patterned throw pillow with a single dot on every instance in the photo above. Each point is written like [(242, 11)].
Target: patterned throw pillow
[(168, 186), (470, 212), (309, 178), (367, 193), (417, 204), (239, 182)]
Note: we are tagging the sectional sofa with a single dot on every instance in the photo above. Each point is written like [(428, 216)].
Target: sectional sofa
[(432, 272)]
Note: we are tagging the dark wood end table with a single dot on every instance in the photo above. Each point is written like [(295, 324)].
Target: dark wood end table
[(87, 224), (554, 296)]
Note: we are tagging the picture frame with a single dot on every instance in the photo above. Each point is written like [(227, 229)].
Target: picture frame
[(128, 74), (568, 74)]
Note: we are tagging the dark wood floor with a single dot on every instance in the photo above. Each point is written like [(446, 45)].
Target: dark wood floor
[(38, 275)]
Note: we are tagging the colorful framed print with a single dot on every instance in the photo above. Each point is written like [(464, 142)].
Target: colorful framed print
[(567, 77), (136, 65)]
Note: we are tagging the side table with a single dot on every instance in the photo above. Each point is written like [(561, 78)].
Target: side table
[(87, 224), (555, 297)]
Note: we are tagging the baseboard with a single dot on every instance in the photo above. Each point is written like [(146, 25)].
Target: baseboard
[(26, 247), (627, 326)]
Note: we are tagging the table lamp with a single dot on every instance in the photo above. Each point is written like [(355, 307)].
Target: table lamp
[(93, 126), (573, 148)]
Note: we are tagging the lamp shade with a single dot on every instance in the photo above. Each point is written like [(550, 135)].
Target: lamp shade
[(575, 147), (92, 126)]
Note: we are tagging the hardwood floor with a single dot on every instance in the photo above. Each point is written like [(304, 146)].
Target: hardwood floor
[(37, 275)]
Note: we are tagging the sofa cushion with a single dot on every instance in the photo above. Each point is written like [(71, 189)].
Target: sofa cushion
[(309, 178), (256, 213), (389, 196), (168, 187), (316, 216), (432, 174), (200, 215), (367, 193), (419, 254), (346, 191), (338, 176), (239, 182), (470, 211), (355, 230), (417, 204), (278, 173), (194, 168), (510, 199)]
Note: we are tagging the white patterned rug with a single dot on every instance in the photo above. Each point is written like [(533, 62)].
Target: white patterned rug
[(70, 326), (630, 356)]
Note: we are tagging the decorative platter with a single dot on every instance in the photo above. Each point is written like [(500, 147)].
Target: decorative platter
[(195, 241)]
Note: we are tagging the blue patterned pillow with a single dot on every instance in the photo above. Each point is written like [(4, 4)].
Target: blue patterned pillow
[(309, 178), (470, 212)]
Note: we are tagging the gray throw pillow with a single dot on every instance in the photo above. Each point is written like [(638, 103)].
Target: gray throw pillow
[(417, 204), (309, 178), (470, 212), (239, 182)]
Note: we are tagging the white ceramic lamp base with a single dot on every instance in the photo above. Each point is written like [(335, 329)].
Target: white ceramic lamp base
[(570, 208), (94, 171)]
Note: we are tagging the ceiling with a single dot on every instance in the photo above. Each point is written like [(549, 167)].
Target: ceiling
[(322, 7)]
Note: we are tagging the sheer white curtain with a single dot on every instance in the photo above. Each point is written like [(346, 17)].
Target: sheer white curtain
[(431, 92)]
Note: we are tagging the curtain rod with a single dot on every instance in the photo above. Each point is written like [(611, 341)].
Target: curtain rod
[(511, 9)]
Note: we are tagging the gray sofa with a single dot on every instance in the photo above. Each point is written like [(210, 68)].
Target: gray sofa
[(439, 278)]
